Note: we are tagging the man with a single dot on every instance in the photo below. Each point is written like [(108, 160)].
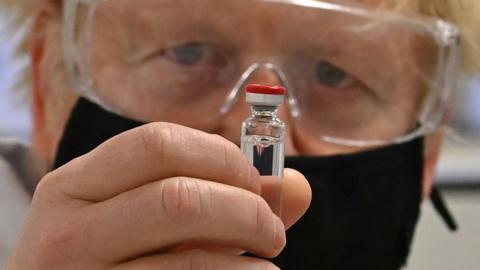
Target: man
[(366, 87)]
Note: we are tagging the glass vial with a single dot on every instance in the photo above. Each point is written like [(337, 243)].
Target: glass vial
[(263, 132)]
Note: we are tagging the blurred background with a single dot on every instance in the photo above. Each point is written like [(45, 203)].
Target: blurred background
[(458, 174), (14, 105)]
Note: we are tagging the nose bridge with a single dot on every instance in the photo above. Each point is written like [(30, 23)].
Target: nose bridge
[(263, 73), (267, 73)]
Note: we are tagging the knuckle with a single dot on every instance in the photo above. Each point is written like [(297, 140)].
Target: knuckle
[(230, 151), (155, 137), (235, 164), (181, 199), (45, 189), (229, 146)]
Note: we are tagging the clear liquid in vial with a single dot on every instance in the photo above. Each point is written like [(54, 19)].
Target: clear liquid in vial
[(265, 152)]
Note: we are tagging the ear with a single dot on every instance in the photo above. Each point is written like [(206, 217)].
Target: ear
[(44, 22), (433, 146)]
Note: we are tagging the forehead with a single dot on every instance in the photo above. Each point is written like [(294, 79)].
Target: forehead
[(244, 7), (368, 3)]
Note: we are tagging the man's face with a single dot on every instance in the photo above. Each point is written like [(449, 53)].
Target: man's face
[(152, 62)]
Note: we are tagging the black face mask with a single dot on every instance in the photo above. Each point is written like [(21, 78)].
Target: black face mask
[(364, 208), (363, 213)]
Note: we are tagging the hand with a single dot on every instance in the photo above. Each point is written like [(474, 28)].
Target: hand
[(134, 201)]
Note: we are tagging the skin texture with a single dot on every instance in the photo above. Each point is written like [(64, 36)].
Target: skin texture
[(156, 206), (136, 203)]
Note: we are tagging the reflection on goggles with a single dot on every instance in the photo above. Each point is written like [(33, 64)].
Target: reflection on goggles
[(351, 76)]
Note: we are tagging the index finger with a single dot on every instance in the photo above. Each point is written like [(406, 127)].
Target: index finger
[(149, 153)]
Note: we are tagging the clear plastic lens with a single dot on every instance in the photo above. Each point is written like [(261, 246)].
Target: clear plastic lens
[(353, 76)]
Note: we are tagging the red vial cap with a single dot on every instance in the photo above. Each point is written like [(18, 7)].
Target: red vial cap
[(266, 89)]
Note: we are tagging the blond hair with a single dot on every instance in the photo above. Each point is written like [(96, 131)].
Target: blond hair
[(23, 11), (461, 12)]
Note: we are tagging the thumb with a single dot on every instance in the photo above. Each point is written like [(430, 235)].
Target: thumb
[(288, 197)]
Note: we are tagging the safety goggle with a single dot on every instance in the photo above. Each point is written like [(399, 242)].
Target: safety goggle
[(356, 75)]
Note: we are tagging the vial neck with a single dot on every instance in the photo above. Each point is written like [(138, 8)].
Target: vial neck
[(264, 111)]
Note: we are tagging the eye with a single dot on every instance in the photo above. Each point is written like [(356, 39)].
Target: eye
[(331, 76), (189, 54)]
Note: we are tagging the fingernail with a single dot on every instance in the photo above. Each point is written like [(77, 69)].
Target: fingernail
[(279, 234)]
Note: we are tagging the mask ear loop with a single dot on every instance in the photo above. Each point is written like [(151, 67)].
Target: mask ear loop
[(234, 94), (442, 209)]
